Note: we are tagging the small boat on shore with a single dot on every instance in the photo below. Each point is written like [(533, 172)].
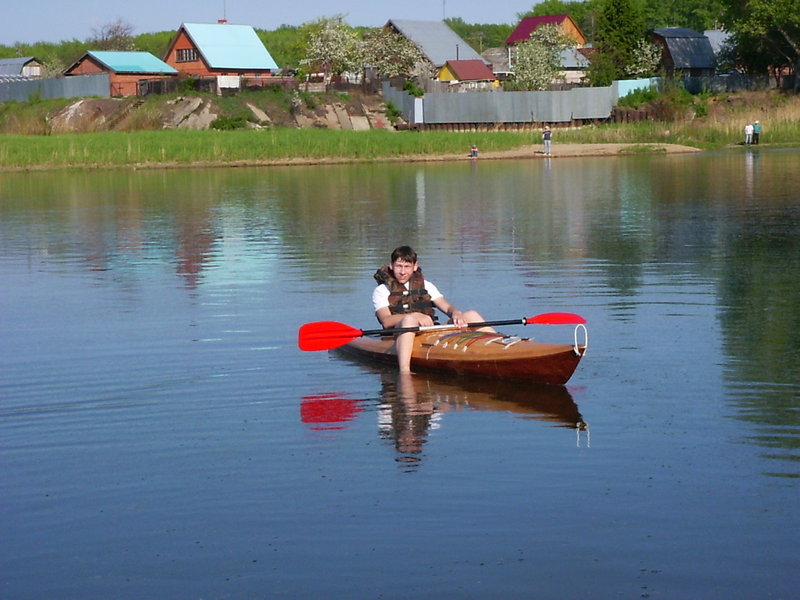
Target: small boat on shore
[(477, 353)]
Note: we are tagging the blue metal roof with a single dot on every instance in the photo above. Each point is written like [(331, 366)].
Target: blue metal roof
[(226, 46), (131, 62)]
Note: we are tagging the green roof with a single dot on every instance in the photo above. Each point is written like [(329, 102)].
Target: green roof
[(131, 62), (226, 46)]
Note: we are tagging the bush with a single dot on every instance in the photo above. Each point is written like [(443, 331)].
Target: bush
[(637, 98), (413, 89), (228, 123)]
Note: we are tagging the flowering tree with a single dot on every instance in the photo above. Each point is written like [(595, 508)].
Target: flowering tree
[(538, 59), (391, 53), (644, 60), (332, 47)]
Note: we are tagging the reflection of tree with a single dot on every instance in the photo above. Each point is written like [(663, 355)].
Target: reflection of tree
[(761, 320)]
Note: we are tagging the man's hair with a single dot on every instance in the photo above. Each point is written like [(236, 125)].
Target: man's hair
[(404, 253)]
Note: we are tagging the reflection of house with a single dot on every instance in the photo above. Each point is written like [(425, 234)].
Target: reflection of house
[(125, 69), (26, 67), (219, 49), (685, 51), (437, 42), (564, 23), (471, 74)]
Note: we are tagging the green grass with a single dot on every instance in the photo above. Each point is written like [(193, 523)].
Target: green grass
[(112, 149)]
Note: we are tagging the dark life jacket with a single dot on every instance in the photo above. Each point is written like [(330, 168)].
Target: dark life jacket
[(401, 300)]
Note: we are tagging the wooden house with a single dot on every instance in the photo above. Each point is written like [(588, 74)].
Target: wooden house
[(219, 50), (685, 52), (125, 69), (564, 23), (470, 74)]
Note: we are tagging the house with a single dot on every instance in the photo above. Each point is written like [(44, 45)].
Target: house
[(686, 52), (471, 74), (219, 50), (570, 61), (498, 59), (126, 69), (574, 64), (26, 67), (437, 42), (528, 25)]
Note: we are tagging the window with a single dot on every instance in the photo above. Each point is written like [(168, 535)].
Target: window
[(186, 55)]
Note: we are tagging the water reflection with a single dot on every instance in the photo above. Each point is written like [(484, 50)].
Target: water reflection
[(409, 407)]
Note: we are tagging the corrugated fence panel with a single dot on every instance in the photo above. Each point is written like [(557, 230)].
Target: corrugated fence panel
[(508, 107), (60, 87)]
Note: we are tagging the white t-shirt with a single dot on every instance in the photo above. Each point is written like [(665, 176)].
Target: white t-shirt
[(380, 295)]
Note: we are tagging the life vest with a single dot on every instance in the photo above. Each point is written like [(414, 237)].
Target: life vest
[(401, 300)]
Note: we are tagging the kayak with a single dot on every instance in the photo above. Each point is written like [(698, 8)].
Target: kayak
[(477, 353)]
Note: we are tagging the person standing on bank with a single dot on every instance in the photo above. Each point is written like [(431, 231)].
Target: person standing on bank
[(756, 132), (748, 134), (546, 135), (404, 298)]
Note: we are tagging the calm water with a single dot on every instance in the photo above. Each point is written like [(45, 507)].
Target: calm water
[(162, 436)]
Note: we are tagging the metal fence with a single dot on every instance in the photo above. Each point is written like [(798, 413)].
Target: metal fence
[(58, 87), (506, 108)]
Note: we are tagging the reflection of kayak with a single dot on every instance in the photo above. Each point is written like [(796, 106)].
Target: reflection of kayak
[(469, 352), (552, 403)]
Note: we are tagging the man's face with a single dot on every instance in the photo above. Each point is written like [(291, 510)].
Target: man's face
[(403, 270)]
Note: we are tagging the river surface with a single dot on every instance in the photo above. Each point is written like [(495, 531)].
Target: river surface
[(162, 436)]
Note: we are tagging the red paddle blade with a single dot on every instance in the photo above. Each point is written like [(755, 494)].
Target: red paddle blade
[(557, 318), (325, 335)]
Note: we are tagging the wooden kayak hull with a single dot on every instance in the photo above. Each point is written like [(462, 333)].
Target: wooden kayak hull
[(476, 353)]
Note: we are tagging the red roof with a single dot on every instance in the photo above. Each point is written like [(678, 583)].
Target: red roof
[(470, 70), (530, 24)]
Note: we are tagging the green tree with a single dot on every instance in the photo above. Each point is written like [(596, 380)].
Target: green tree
[(480, 36), (698, 15), (620, 28), (286, 45), (772, 26)]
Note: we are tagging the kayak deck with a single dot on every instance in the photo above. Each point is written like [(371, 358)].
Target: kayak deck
[(477, 353)]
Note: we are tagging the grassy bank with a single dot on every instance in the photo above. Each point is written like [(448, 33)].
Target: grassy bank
[(721, 124), (113, 149)]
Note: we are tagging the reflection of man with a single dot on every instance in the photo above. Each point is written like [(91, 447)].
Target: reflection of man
[(406, 416)]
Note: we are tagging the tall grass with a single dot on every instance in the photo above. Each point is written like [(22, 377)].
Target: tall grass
[(187, 147)]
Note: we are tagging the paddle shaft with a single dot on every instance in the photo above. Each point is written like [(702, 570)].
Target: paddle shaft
[(394, 330)]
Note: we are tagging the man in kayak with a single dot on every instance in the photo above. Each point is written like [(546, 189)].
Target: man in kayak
[(404, 298)]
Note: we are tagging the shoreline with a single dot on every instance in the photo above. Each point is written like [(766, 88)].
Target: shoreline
[(522, 152)]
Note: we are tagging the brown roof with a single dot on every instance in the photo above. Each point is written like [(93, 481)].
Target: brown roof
[(470, 70)]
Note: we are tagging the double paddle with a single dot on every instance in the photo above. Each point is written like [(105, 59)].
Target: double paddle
[(327, 335)]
